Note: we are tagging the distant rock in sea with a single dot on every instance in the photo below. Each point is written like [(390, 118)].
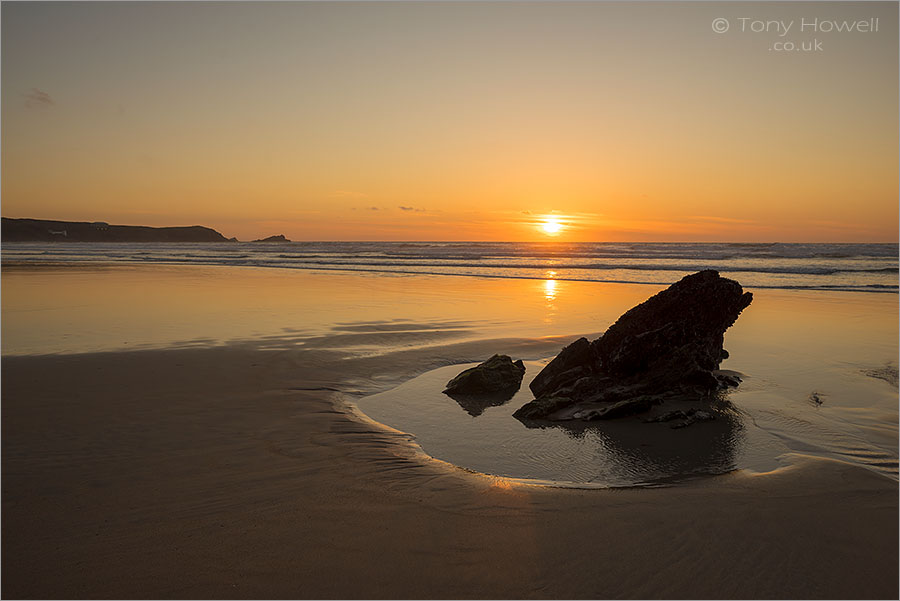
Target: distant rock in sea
[(42, 230), (496, 375), (278, 238), (668, 347)]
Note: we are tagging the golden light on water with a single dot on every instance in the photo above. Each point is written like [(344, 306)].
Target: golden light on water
[(550, 290), (550, 286)]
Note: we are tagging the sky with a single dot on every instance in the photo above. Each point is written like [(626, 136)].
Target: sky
[(582, 121)]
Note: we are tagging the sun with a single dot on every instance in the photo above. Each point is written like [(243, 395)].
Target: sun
[(551, 226)]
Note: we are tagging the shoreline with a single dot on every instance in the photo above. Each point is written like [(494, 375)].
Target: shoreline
[(224, 479), (24, 265), (347, 405)]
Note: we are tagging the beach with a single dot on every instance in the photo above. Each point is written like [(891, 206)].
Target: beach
[(252, 250), (234, 463)]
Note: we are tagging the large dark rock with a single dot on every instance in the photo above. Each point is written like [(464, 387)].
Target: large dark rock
[(567, 366), (497, 374), (688, 319), (668, 346)]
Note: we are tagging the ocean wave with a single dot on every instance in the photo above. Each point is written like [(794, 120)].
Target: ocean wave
[(857, 267), (448, 263), (840, 287), (659, 282)]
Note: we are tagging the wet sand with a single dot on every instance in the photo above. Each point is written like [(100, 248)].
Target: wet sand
[(239, 472)]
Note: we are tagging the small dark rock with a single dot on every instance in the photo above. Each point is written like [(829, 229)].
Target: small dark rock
[(670, 415), (694, 417), (728, 381), (497, 374), (542, 407)]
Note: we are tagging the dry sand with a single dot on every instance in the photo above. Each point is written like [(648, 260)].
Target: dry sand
[(239, 473)]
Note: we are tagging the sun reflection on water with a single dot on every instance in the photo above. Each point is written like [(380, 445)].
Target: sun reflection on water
[(550, 290)]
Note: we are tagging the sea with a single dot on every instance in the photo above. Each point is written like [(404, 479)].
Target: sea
[(817, 348), (846, 267)]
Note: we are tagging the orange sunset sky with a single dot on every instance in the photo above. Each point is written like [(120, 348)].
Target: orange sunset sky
[(442, 121)]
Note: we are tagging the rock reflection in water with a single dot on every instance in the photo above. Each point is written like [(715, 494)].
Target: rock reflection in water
[(475, 404), (658, 452)]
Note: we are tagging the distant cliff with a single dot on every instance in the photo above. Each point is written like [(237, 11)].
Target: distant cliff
[(40, 230)]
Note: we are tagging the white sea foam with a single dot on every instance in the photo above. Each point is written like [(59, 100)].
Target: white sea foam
[(851, 267)]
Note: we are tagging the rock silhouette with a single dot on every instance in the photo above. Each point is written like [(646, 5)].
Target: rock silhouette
[(669, 346), (278, 238), (44, 230)]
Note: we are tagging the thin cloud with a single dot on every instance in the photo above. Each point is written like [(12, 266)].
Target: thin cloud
[(417, 210), (38, 99), (720, 219)]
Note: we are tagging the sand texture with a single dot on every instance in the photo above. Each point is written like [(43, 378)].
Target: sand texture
[(236, 472)]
